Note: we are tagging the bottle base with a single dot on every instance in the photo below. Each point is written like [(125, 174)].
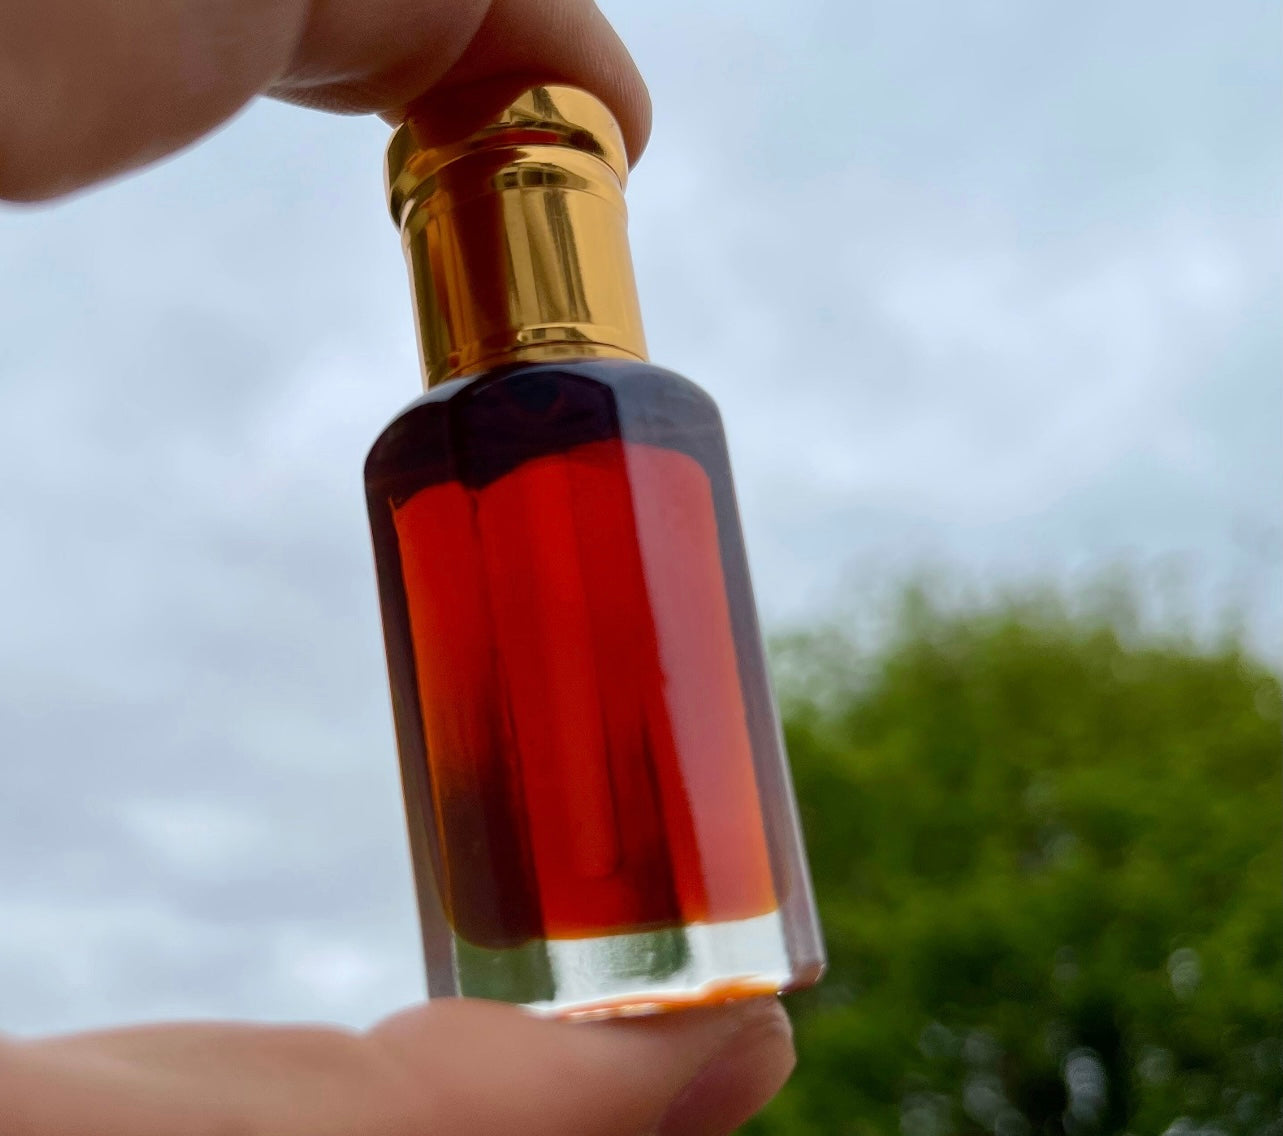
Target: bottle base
[(630, 975)]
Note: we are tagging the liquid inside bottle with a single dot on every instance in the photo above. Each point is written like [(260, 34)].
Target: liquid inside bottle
[(599, 807)]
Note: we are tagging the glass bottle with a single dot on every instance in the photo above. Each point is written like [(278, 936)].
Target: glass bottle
[(600, 813)]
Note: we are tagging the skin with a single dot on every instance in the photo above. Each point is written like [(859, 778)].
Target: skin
[(90, 89)]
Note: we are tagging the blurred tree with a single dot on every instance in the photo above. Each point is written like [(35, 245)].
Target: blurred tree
[(1049, 857)]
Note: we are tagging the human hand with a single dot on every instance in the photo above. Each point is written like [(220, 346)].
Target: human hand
[(455, 1066), (91, 88)]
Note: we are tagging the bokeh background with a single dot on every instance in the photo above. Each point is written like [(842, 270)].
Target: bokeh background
[(990, 296)]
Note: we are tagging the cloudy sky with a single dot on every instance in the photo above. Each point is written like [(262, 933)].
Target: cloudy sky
[(989, 288)]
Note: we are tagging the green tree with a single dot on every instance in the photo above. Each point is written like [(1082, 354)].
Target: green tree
[(1049, 858)]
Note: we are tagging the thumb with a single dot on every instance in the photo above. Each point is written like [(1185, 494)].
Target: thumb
[(491, 1070)]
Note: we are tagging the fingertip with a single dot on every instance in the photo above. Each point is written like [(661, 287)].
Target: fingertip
[(518, 44), (496, 1069), (624, 89), (637, 121), (558, 41), (738, 1082)]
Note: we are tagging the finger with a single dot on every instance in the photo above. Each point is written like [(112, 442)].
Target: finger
[(348, 66), (452, 1067), (90, 88), (492, 1071)]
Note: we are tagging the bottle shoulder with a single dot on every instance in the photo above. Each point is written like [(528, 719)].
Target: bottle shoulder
[(624, 376), (600, 396)]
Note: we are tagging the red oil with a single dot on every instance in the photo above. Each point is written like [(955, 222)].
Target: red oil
[(565, 666)]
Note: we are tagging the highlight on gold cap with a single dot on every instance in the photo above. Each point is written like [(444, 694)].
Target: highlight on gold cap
[(475, 119), (511, 210)]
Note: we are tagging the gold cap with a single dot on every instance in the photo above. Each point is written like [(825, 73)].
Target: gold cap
[(512, 215)]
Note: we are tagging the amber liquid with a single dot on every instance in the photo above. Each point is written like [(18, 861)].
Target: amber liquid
[(574, 656)]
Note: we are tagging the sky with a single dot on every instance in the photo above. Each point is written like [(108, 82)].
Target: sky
[(990, 291)]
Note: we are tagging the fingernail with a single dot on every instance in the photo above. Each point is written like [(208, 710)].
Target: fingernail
[(748, 1069)]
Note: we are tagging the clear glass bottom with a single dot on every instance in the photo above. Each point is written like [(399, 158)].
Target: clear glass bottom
[(641, 973)]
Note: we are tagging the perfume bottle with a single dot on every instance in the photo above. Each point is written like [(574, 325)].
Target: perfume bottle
[(600, 813)]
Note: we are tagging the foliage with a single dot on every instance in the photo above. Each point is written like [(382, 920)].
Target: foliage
[(1049, 857)]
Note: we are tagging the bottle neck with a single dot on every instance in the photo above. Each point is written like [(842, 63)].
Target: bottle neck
[(520, 254)]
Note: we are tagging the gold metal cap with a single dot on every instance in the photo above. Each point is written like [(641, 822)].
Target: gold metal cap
[(512, 215)]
